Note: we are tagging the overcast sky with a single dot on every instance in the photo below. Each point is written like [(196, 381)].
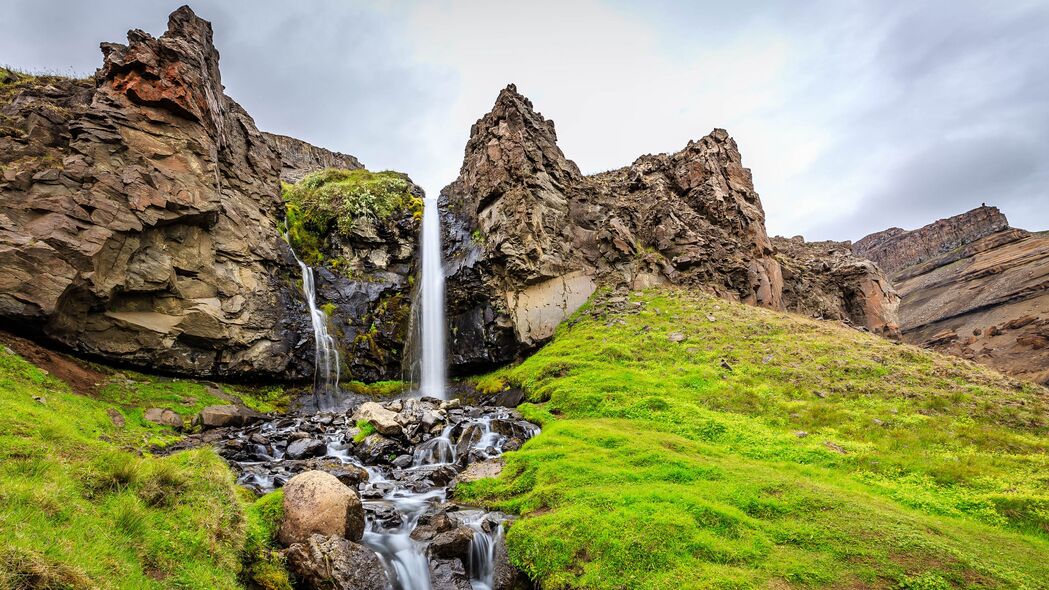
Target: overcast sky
[(853, 116)]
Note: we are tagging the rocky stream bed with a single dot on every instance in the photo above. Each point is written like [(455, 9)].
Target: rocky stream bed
[(396, 464)]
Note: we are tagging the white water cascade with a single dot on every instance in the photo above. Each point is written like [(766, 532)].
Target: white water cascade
[(432, 298), (326, 356)]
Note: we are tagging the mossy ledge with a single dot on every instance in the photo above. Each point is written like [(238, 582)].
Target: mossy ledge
[(689, 442)]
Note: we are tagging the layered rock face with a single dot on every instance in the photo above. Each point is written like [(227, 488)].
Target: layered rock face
[(138, 215), (895, 249), (825, 280), (974, 287), (298, 158), (528, 237)]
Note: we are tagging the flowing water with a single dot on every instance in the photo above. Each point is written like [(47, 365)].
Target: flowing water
[(401, 496), (326, 356), (432, 298)]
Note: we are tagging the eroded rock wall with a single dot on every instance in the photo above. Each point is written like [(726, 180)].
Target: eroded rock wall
[(298, 158), (138, 215), (984, 296), (528, 238)]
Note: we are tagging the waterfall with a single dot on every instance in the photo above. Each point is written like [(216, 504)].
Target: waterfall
[(326, 356), (432, 297)]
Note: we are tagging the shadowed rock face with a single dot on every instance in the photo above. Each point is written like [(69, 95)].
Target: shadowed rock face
[(528, 238), (973, 286), (825, 280)]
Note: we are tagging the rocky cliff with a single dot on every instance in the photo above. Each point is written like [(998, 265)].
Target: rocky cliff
[(895, 249), (974, 287), (528, 237), (826, 280), (139, 215), (298, 158)]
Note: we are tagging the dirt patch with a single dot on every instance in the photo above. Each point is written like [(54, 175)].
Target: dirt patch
[(82, 377)]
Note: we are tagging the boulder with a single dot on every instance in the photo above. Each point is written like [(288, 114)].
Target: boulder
[(448, 574), (316, 502), (452, 544), (228, 415), (163, 416), (305, 448), (334, 563), (385, 421)]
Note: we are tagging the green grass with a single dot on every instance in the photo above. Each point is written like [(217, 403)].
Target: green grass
[(769, 451), (81, 505), (335, 199)]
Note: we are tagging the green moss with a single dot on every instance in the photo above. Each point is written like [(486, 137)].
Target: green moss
[(335, 200), (765, 451), (378, 389), (266, 569), (80, 507), (328, 309), (366, 429)]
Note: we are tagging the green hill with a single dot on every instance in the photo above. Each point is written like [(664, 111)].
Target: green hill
[(689, 442)]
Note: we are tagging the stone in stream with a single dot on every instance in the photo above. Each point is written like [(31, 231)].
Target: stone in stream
[(384, 421), (448, 574), (305, 447), (337, 564), (452, 544), (316, 502)]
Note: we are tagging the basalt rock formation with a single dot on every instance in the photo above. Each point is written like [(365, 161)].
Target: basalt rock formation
[(972, 286), (298, 158), (826, 280), (139, 216), (528, 237)]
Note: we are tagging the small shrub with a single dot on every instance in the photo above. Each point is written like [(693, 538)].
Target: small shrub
[(367, 429)]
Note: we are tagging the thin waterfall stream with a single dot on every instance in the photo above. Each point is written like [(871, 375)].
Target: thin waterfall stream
[(326, 355), (432, 299)]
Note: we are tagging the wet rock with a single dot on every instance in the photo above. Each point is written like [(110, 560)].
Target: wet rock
[(335, 563), (376, 449), (452, 544), (317, 503), (448, 574), (480, 470), (305, 448), (163, 416)]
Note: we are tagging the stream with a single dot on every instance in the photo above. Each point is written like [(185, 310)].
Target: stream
[(404, 479)]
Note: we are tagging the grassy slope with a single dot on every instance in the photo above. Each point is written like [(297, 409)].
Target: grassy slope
[(815, 456), (82, 507)]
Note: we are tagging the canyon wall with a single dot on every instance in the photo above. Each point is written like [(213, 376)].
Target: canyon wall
[(972, 286), (139, 223)]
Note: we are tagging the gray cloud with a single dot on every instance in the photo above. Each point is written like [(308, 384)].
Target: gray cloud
[(854, 115)]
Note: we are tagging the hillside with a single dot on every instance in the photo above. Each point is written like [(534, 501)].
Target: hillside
[(689, 442)]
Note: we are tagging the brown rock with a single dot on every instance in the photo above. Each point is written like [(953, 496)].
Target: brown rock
[(163, 416), (334, 563), (222, 416), (528, 238), (316, 503)]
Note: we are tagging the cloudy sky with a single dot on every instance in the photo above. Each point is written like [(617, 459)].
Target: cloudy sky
[(854, 116)]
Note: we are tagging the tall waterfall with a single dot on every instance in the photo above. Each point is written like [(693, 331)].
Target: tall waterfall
[(326, 356), (432, 296)]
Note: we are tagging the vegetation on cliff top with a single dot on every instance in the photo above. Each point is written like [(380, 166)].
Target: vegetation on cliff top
[(336, 200), (689, 442), (82, 505)]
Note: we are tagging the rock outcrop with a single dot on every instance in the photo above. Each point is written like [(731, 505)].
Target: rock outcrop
[(972, 286), (895, 249), (528, 238), (298, 158), (826, 280), (139, 224), (138, 215)]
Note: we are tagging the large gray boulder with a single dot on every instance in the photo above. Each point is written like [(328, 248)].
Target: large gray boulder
[(316, 502)]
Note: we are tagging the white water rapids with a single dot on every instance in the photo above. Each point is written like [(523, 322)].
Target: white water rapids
[(432, 298)]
